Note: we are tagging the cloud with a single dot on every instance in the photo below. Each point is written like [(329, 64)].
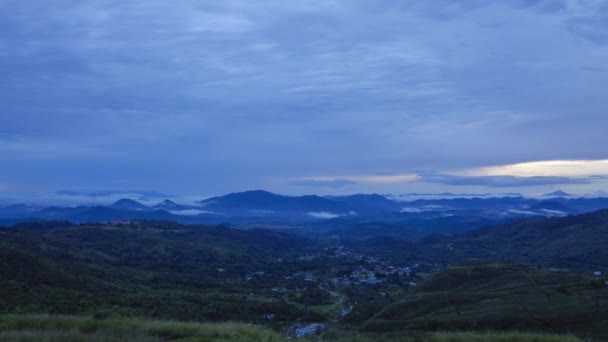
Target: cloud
[(377, 178), (567, 168), (190, 212), (335, 183), (120, 95), (105, 193), (76, 197), (6, 186), (323, 215), (590, 22), (387, 179), (528, 174), (503, 181)]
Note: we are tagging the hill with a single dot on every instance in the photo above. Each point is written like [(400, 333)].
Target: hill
[(552, 208), (128, 204), (500, 296), (557, 193), (152, 269), (368, 204), (252, 201), (584, 205), (576, 241)]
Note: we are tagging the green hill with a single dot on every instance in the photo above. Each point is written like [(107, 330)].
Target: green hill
[(478, 296), (575, 241), (151, 269)]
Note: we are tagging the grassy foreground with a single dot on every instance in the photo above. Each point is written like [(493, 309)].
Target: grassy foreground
[(445, 337), (502, 337), (48, 328)]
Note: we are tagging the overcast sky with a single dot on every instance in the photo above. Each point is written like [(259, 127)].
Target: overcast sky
[(192, 97)]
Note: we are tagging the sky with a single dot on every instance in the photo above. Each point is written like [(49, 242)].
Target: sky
[(201, 98)]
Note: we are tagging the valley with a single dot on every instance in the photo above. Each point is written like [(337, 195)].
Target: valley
[(323, 284)]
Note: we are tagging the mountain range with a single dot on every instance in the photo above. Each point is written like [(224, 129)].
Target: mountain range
[(250, 208)]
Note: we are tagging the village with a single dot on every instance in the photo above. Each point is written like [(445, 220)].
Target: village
[(334, 283), (372, 270)]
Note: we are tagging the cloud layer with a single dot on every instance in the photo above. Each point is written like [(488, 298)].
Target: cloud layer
[(210, 97), (504, 181), (333, 183)]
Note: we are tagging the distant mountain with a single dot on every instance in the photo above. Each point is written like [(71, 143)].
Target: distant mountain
[(552, 208), (15, 211), (510, 207), (167, 204), (266, 203), (368, 204), (261, 207), (558, 193), (493, 203), (128, 204), (583, 205), (172, 206), (446, 195), (58, 213)]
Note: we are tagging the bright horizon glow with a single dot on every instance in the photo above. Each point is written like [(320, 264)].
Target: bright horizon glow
[(547, 168)]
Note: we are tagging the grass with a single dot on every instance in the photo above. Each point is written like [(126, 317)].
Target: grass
[(501, 337), (500, 297), (48, 328), (445, 337)]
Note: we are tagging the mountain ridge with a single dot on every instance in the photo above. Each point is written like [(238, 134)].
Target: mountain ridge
[(263, 207)]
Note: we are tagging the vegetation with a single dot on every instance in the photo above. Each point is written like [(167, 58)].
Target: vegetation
[(479, 296), (375, 289), (502, 337), (44, 328), (445, 337), (576, 241), (159, 270)]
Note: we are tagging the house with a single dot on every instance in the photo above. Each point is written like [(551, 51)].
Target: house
[(370, 280)]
